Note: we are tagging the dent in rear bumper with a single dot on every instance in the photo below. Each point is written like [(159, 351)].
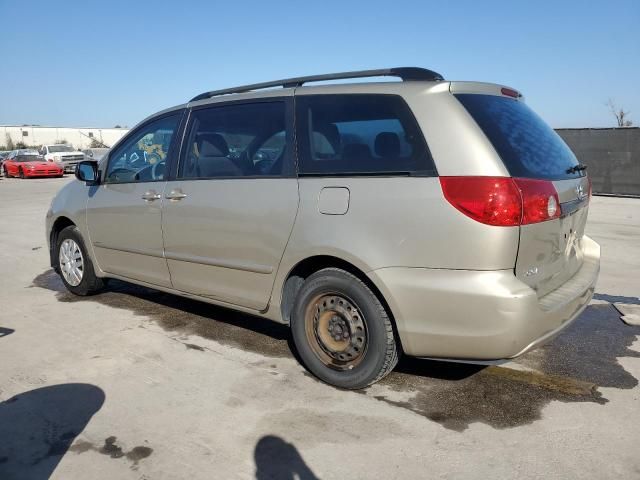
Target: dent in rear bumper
[(480, 315)]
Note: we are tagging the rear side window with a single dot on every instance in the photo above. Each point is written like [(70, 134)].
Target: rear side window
[(528, 147), (241, 140), (359, 135)]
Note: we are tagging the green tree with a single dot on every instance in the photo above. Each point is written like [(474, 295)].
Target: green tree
[(10, 145)]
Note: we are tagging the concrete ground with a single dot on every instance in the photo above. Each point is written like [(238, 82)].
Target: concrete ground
[(137, 384)]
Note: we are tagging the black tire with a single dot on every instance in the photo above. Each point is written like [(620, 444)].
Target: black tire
[(90, 283), (21, 174), (380, 353), (6, 173)]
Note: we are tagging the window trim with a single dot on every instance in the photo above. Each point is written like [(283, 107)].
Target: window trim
[(289, 165), (303, 141), (172, 147)]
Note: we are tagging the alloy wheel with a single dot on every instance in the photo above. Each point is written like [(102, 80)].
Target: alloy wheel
[(71, 262)]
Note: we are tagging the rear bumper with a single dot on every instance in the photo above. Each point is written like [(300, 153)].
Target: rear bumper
[(481, 315)]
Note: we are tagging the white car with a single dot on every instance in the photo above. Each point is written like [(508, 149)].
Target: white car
[(63, 154)]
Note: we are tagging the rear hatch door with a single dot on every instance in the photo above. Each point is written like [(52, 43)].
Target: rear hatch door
[(550, 252)]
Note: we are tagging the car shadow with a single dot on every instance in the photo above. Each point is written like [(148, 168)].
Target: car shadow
[(277, 459), (421, 367), (37, 427), (183, 315), (5, 331)]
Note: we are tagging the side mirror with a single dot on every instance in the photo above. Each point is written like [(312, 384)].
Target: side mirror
[(87, 171)]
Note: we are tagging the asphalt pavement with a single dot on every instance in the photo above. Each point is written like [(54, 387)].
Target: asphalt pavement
[(138, 384)]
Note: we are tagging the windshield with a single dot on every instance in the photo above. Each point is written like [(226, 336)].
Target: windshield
[(29, 158), (60, 148), (528, 147)]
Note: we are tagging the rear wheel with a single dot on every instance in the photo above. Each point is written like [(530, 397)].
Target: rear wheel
[(6, 173), (341, 330), (74, 265), (21, 173)]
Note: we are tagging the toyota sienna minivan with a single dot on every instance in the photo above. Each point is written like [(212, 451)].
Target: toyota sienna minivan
[(433, 218)]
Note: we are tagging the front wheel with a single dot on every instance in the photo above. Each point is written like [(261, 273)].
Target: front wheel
[(21, 174), (74, 265), (342, 332), (6, 173)]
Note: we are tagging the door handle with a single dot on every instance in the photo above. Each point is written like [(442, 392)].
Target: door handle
[(175, 195), (151, 195)]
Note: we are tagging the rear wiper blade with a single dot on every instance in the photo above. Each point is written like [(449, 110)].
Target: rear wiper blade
[(577, 168)]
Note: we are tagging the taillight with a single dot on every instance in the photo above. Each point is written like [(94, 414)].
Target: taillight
[(540, 200), (502, 201), (489, 200)]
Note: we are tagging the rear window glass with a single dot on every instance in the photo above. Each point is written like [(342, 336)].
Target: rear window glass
[(360, 135), (529, 148)]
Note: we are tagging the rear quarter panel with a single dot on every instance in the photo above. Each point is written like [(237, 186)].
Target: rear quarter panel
[(394, 222), (406, 221)]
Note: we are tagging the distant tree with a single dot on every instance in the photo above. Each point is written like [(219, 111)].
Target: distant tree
[(95, 143), (10, 145), (20, 145), (117, 126), (620, 114), (62, 141)]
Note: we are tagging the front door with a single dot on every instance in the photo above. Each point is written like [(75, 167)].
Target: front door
[(229, 213), (124, 211)]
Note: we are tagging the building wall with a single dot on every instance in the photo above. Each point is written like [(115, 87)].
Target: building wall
[(612, 156), (78, 137)]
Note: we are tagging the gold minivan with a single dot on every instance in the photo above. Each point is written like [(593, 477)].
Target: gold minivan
[(435, 218)]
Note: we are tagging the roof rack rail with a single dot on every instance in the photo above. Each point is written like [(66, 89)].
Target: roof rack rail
[(405, 73)]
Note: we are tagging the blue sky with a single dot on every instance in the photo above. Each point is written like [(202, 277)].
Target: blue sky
[(104, 63)]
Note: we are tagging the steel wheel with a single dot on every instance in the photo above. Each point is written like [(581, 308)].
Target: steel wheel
[(336, 331), (71, 262)]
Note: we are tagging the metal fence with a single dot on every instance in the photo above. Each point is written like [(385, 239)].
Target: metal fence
[(612, 156)]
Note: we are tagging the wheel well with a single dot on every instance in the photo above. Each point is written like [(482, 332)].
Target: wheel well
[(60, 224), (309, 266)]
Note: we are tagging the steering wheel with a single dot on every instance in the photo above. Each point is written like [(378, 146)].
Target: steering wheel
[(157, 170), (137, 159)]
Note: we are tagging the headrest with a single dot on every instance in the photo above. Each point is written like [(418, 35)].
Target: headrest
[(356, 151), (331, 133), (212, 145), (387, 145)]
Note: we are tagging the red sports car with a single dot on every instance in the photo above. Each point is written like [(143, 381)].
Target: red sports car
[(29, 163)]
